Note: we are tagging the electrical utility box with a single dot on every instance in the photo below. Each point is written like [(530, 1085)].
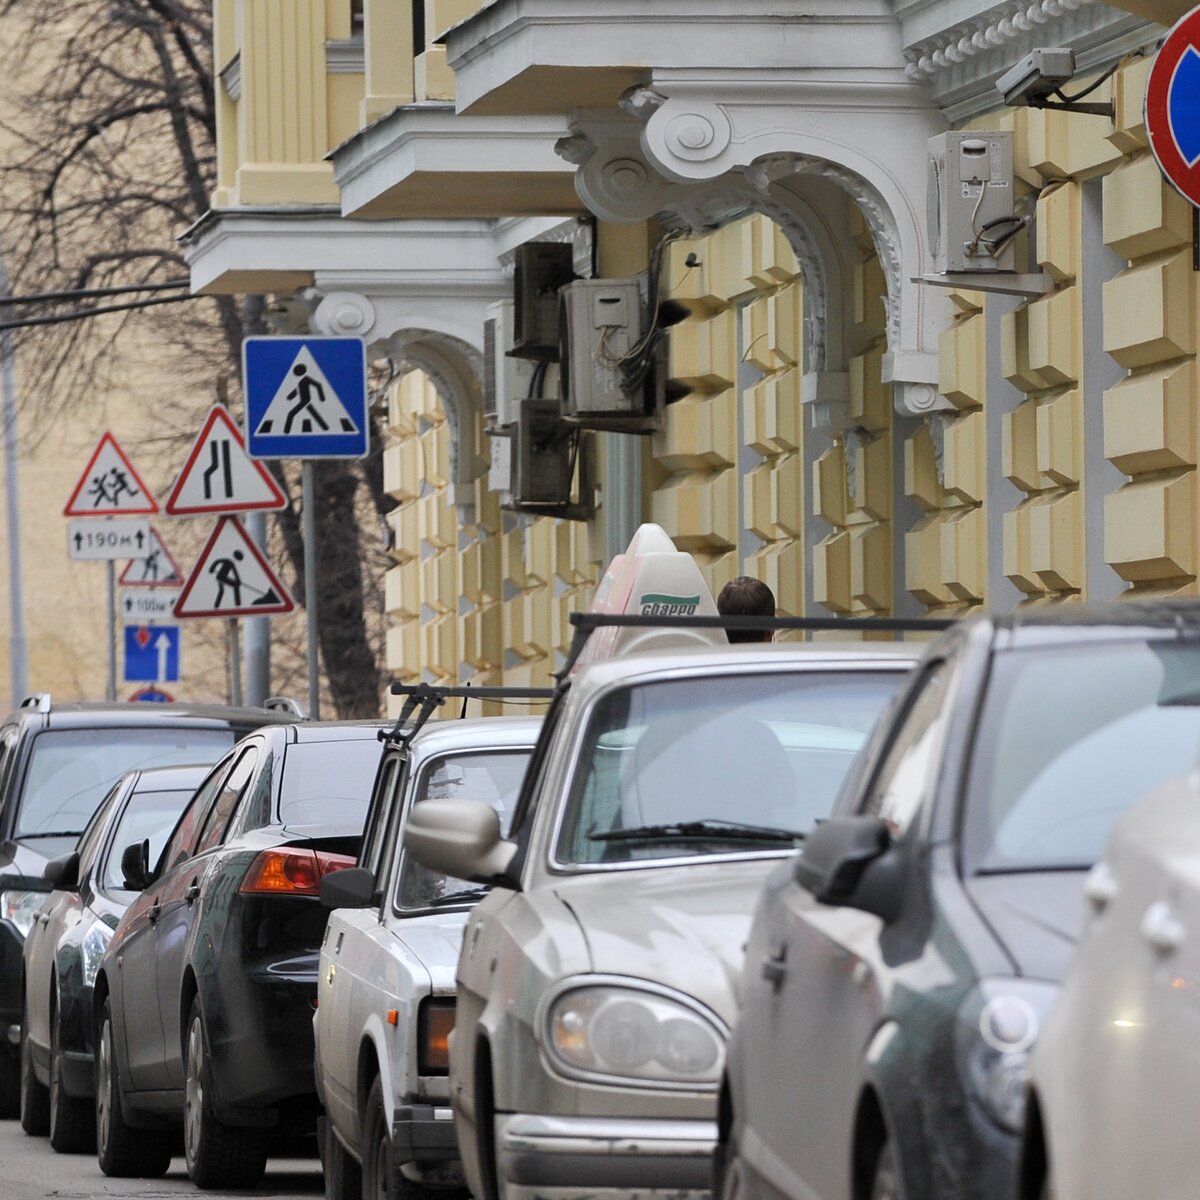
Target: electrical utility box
[(505, 379), (971, 202), (600, 326), (541, 269)]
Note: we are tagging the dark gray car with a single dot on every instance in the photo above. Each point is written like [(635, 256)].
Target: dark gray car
[(899, 967)]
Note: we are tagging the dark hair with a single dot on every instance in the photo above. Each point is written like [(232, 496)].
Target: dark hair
[(746, 597)]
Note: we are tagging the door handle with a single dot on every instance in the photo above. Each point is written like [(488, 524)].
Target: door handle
[(43, 918), (193, 893), (774, 967), (1100, 887), (1162, 928), (153, 913)]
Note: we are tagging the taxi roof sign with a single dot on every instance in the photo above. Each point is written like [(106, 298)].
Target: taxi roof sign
[(651, 579)]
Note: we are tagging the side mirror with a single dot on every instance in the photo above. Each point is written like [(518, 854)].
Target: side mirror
[(852, 862), (460, 838), (135, 866), (62, 873), (352, 888)]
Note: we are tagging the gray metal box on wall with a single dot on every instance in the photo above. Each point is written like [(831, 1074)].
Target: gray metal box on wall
[(971, 200), (600, 323)]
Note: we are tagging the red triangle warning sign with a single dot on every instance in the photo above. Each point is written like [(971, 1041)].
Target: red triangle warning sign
[(219, 476), (156, 568), (232, 578), (109, 486)]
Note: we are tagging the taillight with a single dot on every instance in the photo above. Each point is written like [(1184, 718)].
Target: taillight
[(291, 872), (434, 1026)]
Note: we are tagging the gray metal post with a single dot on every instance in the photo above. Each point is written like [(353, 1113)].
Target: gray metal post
[(110, 568), (18, 664), (310, 586), (256, 645), (235, 663)]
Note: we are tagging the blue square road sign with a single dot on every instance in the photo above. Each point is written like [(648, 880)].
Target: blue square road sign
[(305, 397), (151, 653)]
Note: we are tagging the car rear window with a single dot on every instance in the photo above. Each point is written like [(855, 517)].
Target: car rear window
[(1069, 737), (328, 783), (71, 770), (147, 815), (767, 750)]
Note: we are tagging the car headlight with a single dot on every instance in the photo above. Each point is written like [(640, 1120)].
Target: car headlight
[(998, 1024), (21, 907), (623, 1034), (95, 941)]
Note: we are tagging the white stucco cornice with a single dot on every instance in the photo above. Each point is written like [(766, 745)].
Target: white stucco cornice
[(423, 160)]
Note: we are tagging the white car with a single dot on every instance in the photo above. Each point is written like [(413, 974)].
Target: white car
[(386, 976), (1116, 1073)]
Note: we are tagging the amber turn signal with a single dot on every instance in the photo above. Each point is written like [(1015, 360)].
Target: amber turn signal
[(435, 1024)]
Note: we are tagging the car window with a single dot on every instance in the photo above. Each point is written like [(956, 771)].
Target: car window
[(767, 750), (231, 792), (1068, 738), (70, 770), (148, 815), (183, 839), (93, 835), (8, 757), (379, 821), (492, 777), (903, 779), (255, 810), (537, 764), (328, 782)]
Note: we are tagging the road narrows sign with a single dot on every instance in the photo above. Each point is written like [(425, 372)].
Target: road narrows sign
[(155, 567), (218, 475), (232, 578), (1173, 107), (305, 397), (110, 486)]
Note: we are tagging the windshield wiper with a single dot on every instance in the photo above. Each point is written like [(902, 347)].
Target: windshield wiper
[(465, 896), (719, 831), (53, 833)]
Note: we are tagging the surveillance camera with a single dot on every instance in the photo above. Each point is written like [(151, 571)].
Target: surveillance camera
[(1037, 76)]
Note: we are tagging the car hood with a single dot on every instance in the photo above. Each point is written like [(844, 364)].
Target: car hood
[(435, 943), (1036, 915), (683, 927)]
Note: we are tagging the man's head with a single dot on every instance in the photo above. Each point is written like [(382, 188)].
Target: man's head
[(746, 597)]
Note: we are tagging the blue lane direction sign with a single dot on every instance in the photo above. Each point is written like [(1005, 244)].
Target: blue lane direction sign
[(305, 397), (151, 653)]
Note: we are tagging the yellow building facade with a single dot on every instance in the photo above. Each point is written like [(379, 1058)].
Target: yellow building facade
[(865, 443)]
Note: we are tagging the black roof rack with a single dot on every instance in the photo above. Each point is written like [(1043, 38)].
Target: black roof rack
[(587, 622), (423, 699)]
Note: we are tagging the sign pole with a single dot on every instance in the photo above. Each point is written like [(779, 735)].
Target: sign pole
[(111, 572), (235, 664), (308, 499)]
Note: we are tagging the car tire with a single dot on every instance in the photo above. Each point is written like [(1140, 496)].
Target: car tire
[(381, 1178), (122, 1151), (35, 1098), (886, 1181), (72, 1121), (729, 1176), (343, 1175), (10, 1085), (218, 1156)]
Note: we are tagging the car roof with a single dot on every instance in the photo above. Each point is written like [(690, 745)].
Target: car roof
[(171, 779), (1046, 624), (93, 714), (308, 732), (745, 658), (476, 733)]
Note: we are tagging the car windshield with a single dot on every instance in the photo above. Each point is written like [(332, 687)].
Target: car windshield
[(328, 781), (493, 777), (720, 764), (147, 815), (1069, 738), (71, 770)]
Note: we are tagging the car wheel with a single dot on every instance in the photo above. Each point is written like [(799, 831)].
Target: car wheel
[(886, 1185), (217, 1155), (729, 1176), (343, 1175), (123, 1152), (35, 1099), (72, 1125), (10, 1085), (381, 1178)]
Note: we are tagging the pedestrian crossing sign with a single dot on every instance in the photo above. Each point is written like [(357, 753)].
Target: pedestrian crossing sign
[(305, 397), (232, 578)]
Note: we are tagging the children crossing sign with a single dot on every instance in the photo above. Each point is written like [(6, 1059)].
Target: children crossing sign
[(306, 398), (232, 578), (109, 486)]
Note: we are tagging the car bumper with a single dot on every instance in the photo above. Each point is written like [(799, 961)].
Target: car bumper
[(423, 1133), (566, 1157)]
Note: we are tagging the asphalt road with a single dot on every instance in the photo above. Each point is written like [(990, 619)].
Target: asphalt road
[(30, 1170)]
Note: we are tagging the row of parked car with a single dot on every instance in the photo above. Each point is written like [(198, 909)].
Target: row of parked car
[(777, 920)]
